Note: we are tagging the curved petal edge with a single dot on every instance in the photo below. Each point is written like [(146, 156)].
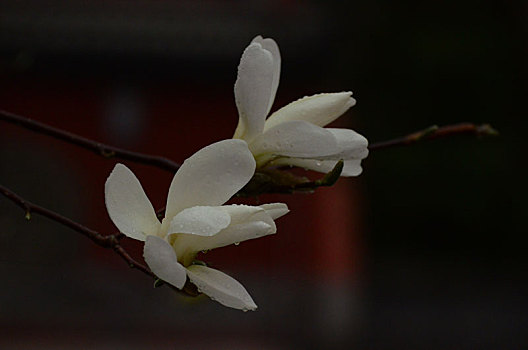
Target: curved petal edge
[(221, 287), (128, 205), (162, 260)]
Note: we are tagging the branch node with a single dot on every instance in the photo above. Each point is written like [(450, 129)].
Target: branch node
[(487, 130), (158, 283), (428, 132), (107, 153)]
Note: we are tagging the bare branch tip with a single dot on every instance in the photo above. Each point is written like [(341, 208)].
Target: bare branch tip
[(487, 130)]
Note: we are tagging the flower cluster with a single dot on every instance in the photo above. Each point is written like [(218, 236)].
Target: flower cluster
[(293, 135), (196, 218)]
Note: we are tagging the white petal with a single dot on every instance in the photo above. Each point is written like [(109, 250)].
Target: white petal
[(253, 90), (220, 287), (231, 235), (162, 260), (352, 148), (351, 144), (275, 210), (241, 213), (211, 176), (320, 109), (351, 167), (128, 205), (270, 45), (247, 222), (202, 221), (295, 139)]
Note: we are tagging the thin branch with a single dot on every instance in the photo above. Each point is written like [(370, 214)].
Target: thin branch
[(99, 148), (106, 241), (435, 132), (131, 262), (112, 241), (109, 151)]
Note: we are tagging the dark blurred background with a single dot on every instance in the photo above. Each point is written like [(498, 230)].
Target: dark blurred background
[(425, 250)]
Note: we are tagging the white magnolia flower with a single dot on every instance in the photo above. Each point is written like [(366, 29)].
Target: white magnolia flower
[(293, 135), (195, 219)]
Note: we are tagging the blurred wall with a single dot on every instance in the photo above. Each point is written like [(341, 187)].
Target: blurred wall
[(423, 250)]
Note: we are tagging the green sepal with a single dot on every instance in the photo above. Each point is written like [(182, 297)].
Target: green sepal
[(158, 283), (282, 181), (331, 177)]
